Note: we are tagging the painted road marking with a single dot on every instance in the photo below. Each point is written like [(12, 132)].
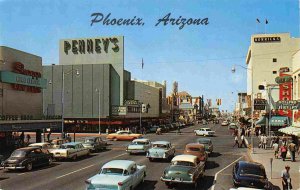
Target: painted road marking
[(120, 155), (75, 171), (216, 176), (21, 173)]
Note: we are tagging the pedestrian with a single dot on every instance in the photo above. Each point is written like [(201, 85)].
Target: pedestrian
[(292, 149), (264, 141), (178, 130), (28, 138), (276, 149), (22, 136), (48, 136), (236, 140), (260, 145), (277, 139), (286, 178), (259, 132), (69, 138), (283, 151), (243, 141)]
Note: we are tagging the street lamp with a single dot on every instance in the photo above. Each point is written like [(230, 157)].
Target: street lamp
[(98, 91), (63, 97), (252, 101)]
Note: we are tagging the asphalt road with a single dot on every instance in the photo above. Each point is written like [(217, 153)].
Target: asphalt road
[(71, 175)]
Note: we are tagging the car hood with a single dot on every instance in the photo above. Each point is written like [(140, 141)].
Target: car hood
[(102, 179), (135, 146)]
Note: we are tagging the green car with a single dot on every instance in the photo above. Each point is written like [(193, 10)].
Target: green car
[(207, 144), (184, 169)]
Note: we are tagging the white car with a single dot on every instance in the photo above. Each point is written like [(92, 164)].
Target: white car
[(71, 150), (119, 175), (224, 123), (244, 188), (139, 146), (204, 132)]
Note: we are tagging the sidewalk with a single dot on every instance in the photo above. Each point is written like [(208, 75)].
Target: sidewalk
[(263, 156)]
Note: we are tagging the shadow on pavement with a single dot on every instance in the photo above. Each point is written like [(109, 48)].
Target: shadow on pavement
[(211, 165), (215, 154), (147, 185)]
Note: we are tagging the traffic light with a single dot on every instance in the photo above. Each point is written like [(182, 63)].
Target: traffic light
[(144, 108)]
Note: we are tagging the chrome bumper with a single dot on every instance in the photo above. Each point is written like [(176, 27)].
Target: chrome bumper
[(176, 181), (13, 167)]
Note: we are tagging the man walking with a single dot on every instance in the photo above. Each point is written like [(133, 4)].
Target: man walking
[(264, 141), (286, 178), (292, 148), (236, 140), (243, 141)]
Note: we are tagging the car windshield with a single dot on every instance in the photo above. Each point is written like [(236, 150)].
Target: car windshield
[(203, 141), (159, 146), (67, 146), (112, 171), (89, 140), (194, 149), (207, 129), (252, 171), (18, 153), (183, 163), (139, 143)]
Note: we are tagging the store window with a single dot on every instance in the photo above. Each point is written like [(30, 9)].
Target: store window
[(274, 60)]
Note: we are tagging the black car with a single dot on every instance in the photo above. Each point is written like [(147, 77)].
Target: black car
[(94, 143), (27, 158), (250, 174)]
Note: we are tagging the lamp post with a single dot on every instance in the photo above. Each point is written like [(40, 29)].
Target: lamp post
[(252, 101), (63, 98), (99, 95), (141, 104)]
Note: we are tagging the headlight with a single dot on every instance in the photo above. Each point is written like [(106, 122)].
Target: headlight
[(165, 155)]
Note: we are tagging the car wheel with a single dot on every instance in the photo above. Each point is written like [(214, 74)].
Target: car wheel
[(50, 160), (29, 166)]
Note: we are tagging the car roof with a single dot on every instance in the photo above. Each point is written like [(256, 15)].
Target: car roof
[(249, 164), (140, 140), (72, 143), (195, 145), (203, 139), (27, 149), (161, 142), (124, 164), (185, 157), (39, 144)]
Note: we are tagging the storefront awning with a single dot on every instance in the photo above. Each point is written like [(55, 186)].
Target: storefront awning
[(261, 121), (296, 133), (290, 130), (279, 121)]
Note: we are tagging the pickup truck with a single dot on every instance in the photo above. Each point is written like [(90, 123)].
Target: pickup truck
[(71, 150)]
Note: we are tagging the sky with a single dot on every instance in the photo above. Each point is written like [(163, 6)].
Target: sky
[(199, 57)]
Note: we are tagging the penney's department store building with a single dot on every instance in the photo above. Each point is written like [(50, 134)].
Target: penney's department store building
[(21, 89), (89, 66)]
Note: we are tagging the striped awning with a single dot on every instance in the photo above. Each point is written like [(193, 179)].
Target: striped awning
[(290, 130), (261, 121), (279, 121)]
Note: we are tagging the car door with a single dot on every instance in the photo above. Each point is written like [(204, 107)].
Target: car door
[(135, 175), (35, 158)]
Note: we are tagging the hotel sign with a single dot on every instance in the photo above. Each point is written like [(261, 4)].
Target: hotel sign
[(266, 39)]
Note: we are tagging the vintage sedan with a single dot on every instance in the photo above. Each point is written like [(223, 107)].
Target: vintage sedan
[(139, 146), (224, 123), (123, 136), (250, 174), (94, 143), (71, 150), (26, 158), (204, 132), (160, 150), (196, 150), (56, 143), (207, 144), (118, 175), (184, 169)]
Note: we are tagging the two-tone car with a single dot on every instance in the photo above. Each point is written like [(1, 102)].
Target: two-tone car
[(184, 169), (71, 150), (204, 132), (209, 148), (26, 158), (196, 149), (118, 175), (56, 143), (224, 123), (138, 146), (123, 136), (160, 150), (94, 144)]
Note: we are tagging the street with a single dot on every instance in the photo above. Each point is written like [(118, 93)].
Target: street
[(72, 175)]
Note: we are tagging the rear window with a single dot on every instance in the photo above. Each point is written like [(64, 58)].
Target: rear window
[(252, 171), (194, 149), (183, 163)]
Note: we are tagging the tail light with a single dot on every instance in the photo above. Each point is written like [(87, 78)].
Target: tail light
[(120, 183)]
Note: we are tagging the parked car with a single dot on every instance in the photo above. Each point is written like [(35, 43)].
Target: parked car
[(244, 188), (164, 128), (71, 150), (204, 132), (153, 128), (249, 174), (119, 175), (232, 126), (139, 146), (207, 144), (26, 158), (56, 143), (196, 150), (184, 169), (123, 136), (94, 143), (224, 123), (160, 150)]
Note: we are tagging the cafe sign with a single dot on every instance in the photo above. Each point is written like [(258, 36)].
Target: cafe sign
[(118, 110), (287, 105), (283, 79)]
